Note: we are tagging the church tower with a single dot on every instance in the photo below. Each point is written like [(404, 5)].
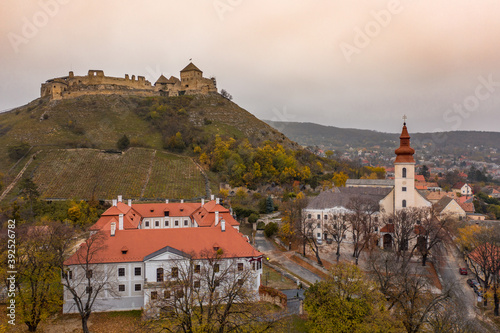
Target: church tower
[(404, 172)]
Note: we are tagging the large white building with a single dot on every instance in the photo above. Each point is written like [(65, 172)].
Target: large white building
[(139, 247)]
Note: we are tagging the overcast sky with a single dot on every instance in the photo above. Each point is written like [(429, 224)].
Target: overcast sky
[(359, 64)]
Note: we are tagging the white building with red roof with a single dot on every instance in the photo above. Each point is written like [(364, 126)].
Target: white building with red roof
[(140, 246)]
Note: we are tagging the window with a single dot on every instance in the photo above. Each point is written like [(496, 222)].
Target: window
[(176, 223), (137, 287), (167, 213), (404, 189), (197, 268), (159, 274), (154, 295), (404, 203), (70, 275), (326, 217), (88, 274), (376, 228), (121, 271), (166, 223), (146, 224), (376, 219), (121, 287), (185, 223), (196, 284), (179, 293), (240, 266), (166, 294), (88, 290), (157, 223), (175, 272), (216, 268), (137, 271), (319, 217), (319, 225), (404, 172), (308, 216), (318, 235)]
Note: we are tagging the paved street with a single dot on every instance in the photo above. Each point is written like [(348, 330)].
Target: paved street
[(280, 258)]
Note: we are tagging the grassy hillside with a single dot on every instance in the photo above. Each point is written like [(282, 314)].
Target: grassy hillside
[(72, 135)]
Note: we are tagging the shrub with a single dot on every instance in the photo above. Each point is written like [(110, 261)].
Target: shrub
[(271, 229), (261, 225), (123, 142), (253, 218), (18, 151)]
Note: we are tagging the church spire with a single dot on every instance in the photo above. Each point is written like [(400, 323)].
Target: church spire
[(404, 154)]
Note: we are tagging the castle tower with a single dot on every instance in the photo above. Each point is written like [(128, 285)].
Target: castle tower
[(404, 172)]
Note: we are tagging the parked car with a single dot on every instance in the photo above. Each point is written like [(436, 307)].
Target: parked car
[(470, 282), (329, 240), (463, 271)]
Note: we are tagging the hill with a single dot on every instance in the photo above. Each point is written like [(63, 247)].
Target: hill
[(330, 137), (71, 144)]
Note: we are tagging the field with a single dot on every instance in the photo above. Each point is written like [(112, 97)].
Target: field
[(137, 173)]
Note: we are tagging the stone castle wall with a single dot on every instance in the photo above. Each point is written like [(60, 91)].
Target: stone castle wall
[(96, 83)]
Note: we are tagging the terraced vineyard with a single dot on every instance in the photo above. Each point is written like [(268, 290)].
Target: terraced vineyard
[(87, 173), (174, 177)]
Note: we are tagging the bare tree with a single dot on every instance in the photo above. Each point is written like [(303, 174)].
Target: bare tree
[(337, 227), (408, 292), (452, 316), (431, 230), (403, 223), (362, 222), (208, 292), (85, 280), (309, 237)]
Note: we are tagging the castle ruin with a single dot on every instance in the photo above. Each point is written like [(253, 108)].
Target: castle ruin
[(95, 82)]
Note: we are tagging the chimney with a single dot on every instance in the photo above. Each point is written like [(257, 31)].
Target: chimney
[(113, 228), (166, 200), (119, 198), (212, 197), (202, 202), (114, 202), (216, 218), (120, 222), (222, 225), (182, 200), (217, 200), (130, 202)]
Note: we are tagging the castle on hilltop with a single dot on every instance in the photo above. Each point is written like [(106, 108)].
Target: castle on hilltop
[(95, 82)]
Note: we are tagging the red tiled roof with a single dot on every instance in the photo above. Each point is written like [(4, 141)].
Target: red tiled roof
[(419, 178), (468, 207), (143, 242), (388, 228)]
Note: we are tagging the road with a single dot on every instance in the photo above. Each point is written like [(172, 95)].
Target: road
[(280, 258)]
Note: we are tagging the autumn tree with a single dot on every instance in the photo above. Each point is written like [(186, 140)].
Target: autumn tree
[(123, 143), (431, 230), (85, 281), (207, 292), (347, 301)]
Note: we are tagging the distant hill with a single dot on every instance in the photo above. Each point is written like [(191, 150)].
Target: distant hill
[(76, 142), (330, 137)]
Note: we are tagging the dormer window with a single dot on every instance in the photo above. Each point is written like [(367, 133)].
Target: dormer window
[(151, 210), (124, 250)]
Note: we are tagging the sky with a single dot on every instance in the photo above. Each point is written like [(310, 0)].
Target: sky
[(351, 63)]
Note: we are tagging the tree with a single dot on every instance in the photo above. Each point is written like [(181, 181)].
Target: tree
[(207, 292), (431, 231), (347, 301), (29, 191), (226, 95), (38, 276), (403, 224), (337, 227), (424, 171), (363, 223), (18, 151), (269, 205), (123, 143), (84, 280), (408, 291)]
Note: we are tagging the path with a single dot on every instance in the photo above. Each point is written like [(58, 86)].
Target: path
[(18, 177), (280, 258)]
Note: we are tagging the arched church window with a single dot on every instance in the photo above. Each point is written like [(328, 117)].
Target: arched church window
[(404, 172)]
